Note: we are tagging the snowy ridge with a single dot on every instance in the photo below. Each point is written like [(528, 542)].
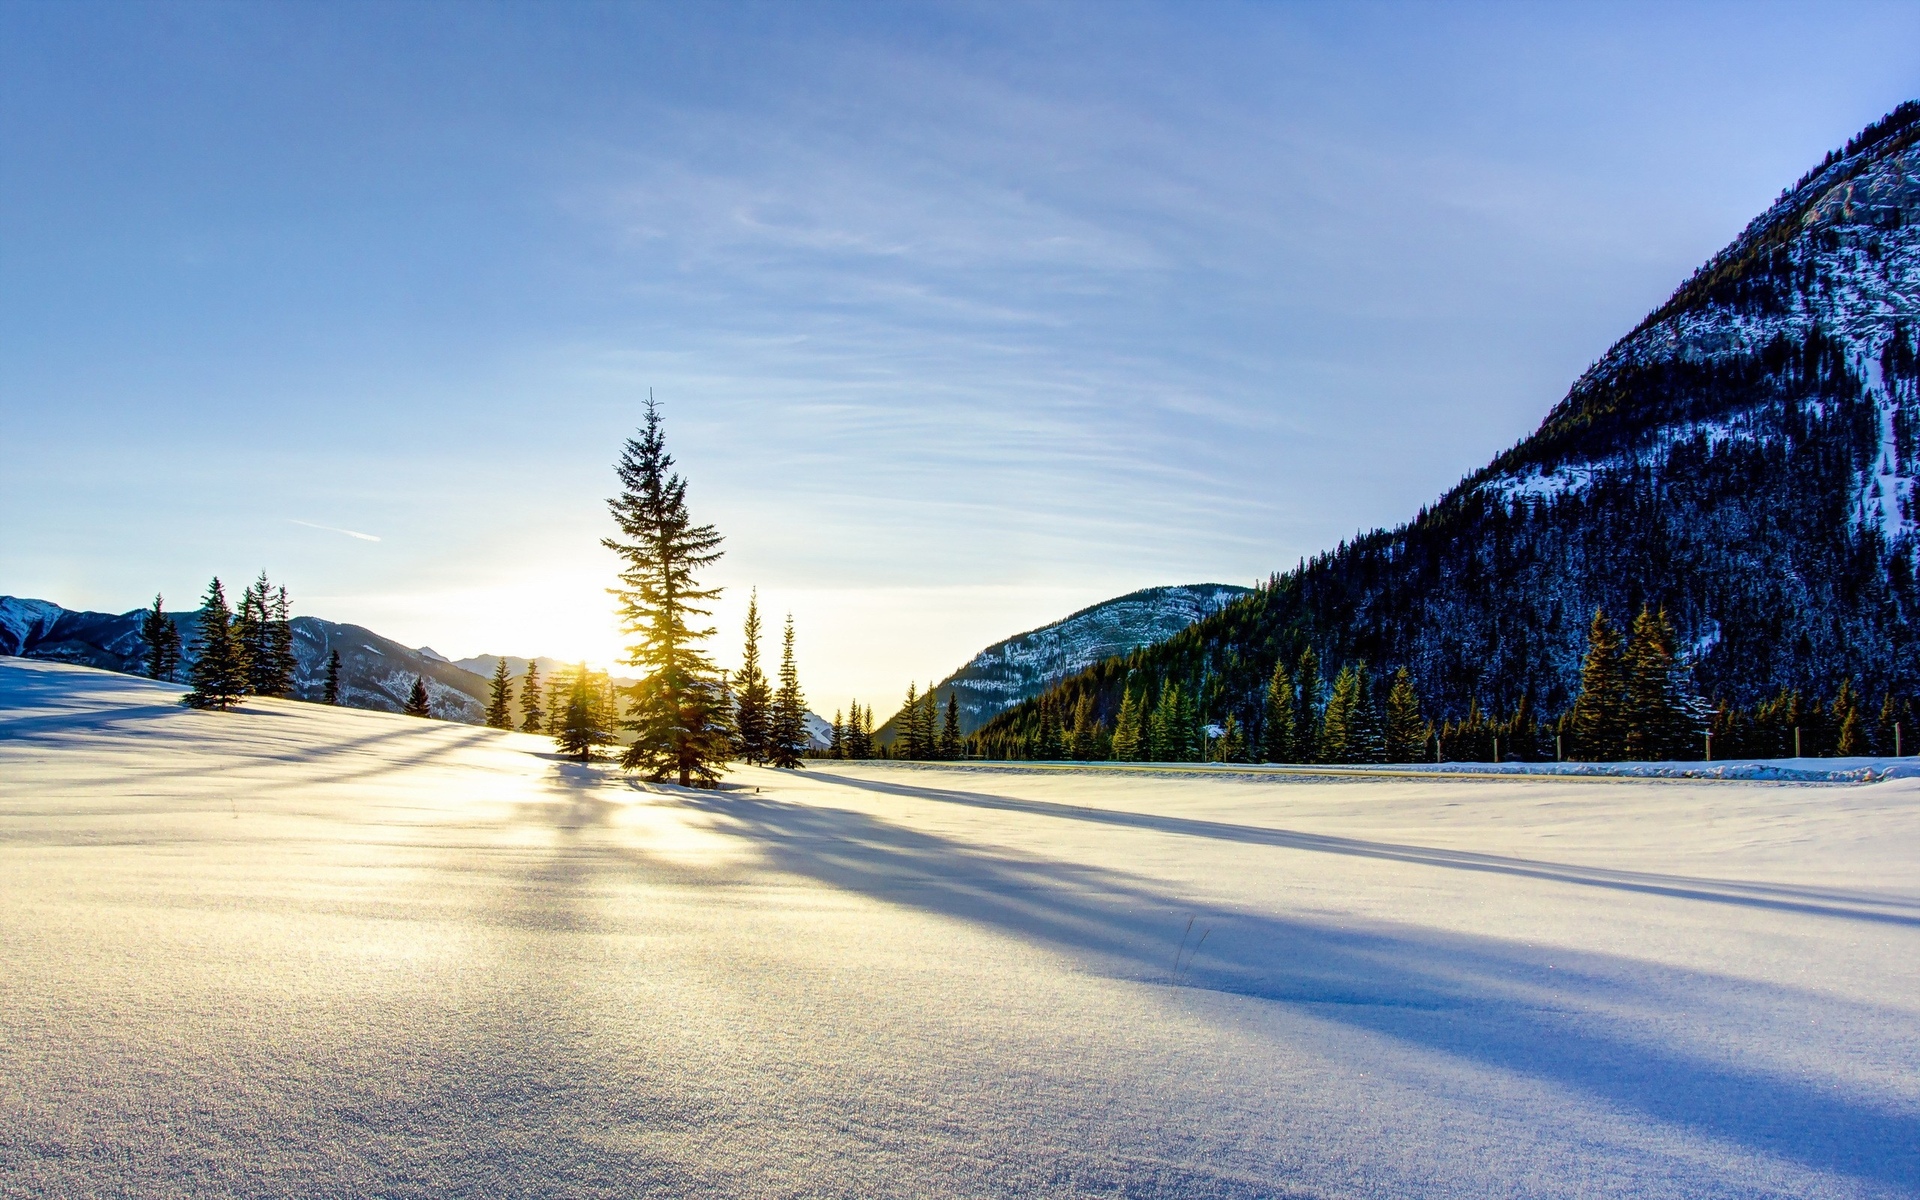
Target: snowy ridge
[(1023, 666), (1850, 237)]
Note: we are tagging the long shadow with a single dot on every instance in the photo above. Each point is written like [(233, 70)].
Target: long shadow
[(1821, 902), (1588, 1023)]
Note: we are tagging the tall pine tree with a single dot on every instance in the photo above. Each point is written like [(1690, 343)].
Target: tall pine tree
[(1406, 728), (680, 714), (1307, 688), (1128, 736), (950, 728), (163, 642), (1599, 712), (331, 693), (1279, 740), (584, 722), (787, 723), (499, 697), (531, 714), (753, 698), (219, 670)]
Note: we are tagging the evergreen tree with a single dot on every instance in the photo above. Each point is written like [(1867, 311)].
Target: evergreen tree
[(1368, 734), (1278, 737), (1850, 732), (557, 689), (219, 670), (837, 746), (332, 693), (681, 714), (499, 707), (1161, 744), (1233, 743), (1339, 742), (1661, 723), (163, 642), (906, 734), (265, 634), (1406, 728), (583, 725), (1128, 742), (1308, 689), (753, 738), (419, 704), (531, 714), (277, 645), (1599, 713), (950, 728), (1081, 740), (787, 724)]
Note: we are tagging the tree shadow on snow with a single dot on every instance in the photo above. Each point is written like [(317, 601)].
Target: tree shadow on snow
[(1585, 1022)]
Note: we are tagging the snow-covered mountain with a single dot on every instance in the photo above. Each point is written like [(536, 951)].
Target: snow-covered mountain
[(1745, 458), (375, 672), (1024, 665)]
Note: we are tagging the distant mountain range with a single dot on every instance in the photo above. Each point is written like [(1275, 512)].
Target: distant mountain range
[(1026, 664), (1746, 458), (375, 672)]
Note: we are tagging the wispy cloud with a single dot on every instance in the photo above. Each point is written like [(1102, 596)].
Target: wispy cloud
[(365, 537)]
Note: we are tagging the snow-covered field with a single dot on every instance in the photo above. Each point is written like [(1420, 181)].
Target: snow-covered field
[(314, 952)]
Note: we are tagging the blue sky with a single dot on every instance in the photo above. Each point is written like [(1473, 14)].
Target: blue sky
[(962, 316)]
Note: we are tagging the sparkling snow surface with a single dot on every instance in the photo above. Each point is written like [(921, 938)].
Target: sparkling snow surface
[(316, 952)]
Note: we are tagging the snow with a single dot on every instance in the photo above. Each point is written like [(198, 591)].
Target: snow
[(295, 950)]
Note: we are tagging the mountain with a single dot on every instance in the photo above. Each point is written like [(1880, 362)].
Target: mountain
[(1744, 457), (1024, 665), (375, 672)]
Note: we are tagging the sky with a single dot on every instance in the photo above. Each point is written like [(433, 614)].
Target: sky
[(961, 316)]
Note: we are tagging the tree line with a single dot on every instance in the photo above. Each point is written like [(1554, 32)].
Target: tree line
[(1637, 702)]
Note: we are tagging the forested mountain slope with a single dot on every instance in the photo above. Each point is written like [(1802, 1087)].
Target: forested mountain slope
[(1024, 665), (1745, 458)]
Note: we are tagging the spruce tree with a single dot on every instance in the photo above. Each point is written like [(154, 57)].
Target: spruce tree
[(1406, 739), (1127, 734), (219, 671), (331, 695), (753, 712), (499, 698), (680, 712), (1278, 735), (1080, 741), (837, 744), (277, 645), (253, 629), (1339, 742), (531, 714), (1599, 712), (787, 723), (1661, 719), (1233, 743), (906, 726), (419, 704), (583, 723), (1368, 733), (163, 642), (1850, 729), (950, 728), (1308, 689), (1160, 735)]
